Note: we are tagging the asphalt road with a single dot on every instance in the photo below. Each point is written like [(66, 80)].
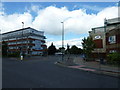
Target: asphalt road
[(43, 73)]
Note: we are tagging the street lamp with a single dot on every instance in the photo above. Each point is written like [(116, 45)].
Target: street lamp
[(22, 42), (22, 35), (62, 40), (22, 25), (0, 45), (63, 36)]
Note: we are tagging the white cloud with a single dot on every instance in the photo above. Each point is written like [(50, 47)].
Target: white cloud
[(71, 42), (109, 12), (14, 21), (35, 8), (49, 19), (80, 22)]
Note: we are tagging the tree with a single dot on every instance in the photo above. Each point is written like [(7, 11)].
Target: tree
[(68, 49), (4, 48), (80, 51), (88, 45), (75, 50), (62, 49), (51, 49)]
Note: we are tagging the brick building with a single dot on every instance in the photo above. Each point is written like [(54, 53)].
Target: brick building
[(106, 38), (98, 35), (113, 40)]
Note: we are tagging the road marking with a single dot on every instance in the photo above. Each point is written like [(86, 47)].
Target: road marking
[(80, 67), (77, 66), (87, 69)]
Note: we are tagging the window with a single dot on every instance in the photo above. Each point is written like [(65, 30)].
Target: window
[(112, 51), (112, 39)]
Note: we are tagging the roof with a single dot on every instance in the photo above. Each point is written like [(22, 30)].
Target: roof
[(113, 20), (20, 30), (97, 27)]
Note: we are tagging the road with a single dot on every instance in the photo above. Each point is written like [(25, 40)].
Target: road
[(41, 72)]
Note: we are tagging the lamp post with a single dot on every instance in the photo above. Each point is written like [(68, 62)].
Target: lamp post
[(63, 37), (22, 25), (22, 35), (0, 45), (22, 42), (62, 40)]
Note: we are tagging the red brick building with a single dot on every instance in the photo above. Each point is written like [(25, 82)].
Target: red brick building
[(98, 35), (113, 40), (106, 38)]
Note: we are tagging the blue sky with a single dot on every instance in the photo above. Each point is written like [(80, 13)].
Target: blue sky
[(47, 16), (12, 7)]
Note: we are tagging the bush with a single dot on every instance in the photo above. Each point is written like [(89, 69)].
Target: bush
[(17, 54), (114, 58), (89, 59)]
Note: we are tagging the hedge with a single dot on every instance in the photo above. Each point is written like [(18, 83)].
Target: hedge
[(113, 58)]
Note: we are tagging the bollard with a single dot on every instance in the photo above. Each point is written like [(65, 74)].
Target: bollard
[(21, 57)]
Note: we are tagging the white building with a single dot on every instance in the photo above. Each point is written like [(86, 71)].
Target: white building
[(27, 41)]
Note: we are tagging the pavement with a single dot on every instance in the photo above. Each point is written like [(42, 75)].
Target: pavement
[(94, 66)]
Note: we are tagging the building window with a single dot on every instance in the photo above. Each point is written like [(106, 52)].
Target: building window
[(112, 51), (112, 39)]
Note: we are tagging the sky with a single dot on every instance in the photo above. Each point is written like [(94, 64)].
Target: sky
[(78, 18)]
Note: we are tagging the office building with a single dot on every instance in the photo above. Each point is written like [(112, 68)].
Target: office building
[(27, 41)]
